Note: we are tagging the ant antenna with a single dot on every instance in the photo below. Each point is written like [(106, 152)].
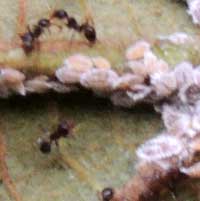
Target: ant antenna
[(71, 40), (48, 6), (88, 11)]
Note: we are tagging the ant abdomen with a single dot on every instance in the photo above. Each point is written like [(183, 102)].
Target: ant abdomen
[(45, 146), (89, 32)]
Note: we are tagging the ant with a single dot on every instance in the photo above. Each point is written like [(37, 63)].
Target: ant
[(29, 37), (71, 21), (88, 31), (63, 130)]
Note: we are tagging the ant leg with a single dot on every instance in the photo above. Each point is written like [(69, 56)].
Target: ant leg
[(192, 171), (49, 31), (56, 142), (37, 45), (58, 26), (57, 146), (88, 11), (71, 40), (28, 28)]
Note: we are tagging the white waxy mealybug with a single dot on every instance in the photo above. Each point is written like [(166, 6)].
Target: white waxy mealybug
[(99, 79), (161, 147), (101, 62), (195, 124), (164, 84), (154, 64), (127, 81), (137, 67), (147, 66), (181, 123), (62, 88), (139, 92), (73, 68), (79, 62), (194, 10), (12, 80), (196, 75), (38, 84), (177, 38), (189, 93), (137, 50), (184, 73), (175, 121)]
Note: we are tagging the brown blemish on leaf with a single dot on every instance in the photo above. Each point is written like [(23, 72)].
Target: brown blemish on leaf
[(6, 46), (7, 180), (21, 16)]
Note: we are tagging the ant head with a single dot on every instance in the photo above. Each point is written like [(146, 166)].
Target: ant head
[(107, 194), (65, 127), (60, 14)]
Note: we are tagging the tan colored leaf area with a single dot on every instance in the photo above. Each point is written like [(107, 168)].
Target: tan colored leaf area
[(101, 152)]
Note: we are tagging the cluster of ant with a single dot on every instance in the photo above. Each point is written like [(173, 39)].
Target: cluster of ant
[(30, 37), (64, 129)]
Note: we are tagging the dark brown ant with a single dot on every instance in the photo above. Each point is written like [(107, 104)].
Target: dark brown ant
[(29, 38), (88, 31), (107, 194), (71, 21), (45, 146), (64, 129)]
